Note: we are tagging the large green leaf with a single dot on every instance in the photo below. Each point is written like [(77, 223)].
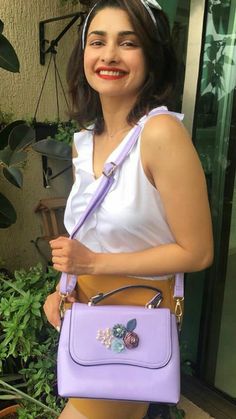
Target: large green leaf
[(4, 134), (14, 176), (5, 156), (212, 51), (8, 58), (209, 39), (21, 136), (7, 212), (18, 157), (53, 149), (1, 26), (12, 158)]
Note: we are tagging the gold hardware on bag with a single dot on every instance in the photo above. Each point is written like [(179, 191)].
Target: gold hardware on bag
[(62, 304), (179, 311), (151, 306)]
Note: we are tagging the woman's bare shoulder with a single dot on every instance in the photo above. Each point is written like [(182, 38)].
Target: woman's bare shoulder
[(166, 147), (164, 131)]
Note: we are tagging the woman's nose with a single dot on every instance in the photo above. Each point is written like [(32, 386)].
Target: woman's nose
[(110, 54)]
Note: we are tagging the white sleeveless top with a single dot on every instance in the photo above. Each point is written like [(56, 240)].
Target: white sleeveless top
[(131, 217)]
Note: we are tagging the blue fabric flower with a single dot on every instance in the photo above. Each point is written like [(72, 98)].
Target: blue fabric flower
[(117, 345)]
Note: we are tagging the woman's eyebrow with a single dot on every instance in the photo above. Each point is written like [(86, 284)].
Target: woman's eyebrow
[(103, 33), (125, 33)]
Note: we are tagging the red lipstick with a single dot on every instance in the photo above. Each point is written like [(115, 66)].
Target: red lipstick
[(110, 73)]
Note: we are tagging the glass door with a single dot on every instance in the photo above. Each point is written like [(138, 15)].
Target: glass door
[(215, 140), (225, 375)]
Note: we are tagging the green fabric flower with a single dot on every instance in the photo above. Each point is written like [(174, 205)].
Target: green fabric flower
[(119, 330)]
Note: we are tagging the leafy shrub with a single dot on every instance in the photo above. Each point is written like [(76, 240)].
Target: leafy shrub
[(28, 339)]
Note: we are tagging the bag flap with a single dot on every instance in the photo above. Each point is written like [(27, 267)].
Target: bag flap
[(130, 335)]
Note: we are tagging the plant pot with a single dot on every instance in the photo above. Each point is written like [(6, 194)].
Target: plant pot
[(9, 412), (44, 130)]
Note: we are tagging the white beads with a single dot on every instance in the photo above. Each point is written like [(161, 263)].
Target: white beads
[(105, 337)]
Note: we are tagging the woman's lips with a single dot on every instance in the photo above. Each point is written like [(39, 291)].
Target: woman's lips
[(110, 74)]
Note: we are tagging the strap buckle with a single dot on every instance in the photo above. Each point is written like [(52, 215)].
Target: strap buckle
[(111, 171)]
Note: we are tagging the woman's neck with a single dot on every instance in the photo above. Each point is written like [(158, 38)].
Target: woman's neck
[(115, 114)]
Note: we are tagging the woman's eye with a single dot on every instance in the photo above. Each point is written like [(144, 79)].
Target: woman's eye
[(96, 43), (128, 44)]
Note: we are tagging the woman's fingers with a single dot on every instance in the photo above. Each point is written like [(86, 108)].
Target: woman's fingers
[(51, 309), (71, 256), (71, 299), (52, 305)]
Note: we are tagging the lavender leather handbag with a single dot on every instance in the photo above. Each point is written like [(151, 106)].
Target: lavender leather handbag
[(119, 352)]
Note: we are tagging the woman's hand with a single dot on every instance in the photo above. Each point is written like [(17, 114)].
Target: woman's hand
[(52, 305), (71, 256)]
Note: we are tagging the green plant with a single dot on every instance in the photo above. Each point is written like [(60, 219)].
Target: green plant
[(28, 340), (14, 138), (214, 68), (177, 413), (65, 132), (8, 58), (5, 118)]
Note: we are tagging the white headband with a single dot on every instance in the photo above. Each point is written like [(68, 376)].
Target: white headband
[(147, 4), (151, 3)]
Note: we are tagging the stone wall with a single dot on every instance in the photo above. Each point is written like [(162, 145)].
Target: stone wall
[(19, 94)]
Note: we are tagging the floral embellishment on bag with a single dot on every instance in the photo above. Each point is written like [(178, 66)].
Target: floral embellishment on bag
[(119, 330), (131, 340), (117, 345), (120, 337)]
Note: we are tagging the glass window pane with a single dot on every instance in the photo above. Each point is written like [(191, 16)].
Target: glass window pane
[(215, 141)]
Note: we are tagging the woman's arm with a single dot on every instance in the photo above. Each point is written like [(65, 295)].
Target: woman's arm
[(52, 302), (172, 165)]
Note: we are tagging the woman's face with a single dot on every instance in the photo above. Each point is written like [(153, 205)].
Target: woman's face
[(114, 62)]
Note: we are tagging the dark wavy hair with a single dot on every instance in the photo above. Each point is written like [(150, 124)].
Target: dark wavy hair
[(160, 59)]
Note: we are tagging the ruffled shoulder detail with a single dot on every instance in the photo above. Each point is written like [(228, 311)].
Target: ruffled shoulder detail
[(160, 110), (83, 142)]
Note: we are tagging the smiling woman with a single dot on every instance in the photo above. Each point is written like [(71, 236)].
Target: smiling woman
[(153, 43), (114, 62), (155, 220)]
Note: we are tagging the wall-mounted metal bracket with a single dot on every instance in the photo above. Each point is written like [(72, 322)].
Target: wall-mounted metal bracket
[(43, 49)]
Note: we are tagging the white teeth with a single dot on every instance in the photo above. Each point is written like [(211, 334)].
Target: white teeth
[(110, 73)]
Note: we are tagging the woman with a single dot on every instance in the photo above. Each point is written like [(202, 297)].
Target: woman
[(156, 220)]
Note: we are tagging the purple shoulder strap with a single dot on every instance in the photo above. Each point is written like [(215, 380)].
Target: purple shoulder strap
[(68, 282)]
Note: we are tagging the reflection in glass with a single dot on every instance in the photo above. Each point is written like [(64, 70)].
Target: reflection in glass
[(215, 136)]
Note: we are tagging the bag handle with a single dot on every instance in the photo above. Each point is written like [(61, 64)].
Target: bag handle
[(153, 303)]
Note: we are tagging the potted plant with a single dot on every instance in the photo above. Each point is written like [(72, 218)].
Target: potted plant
[(56, 146), (14, 140)]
